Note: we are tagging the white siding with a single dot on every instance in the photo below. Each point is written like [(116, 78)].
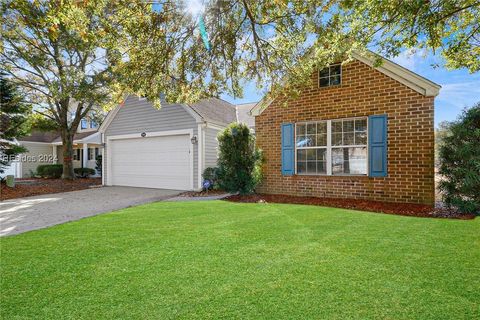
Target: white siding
[(211, 147), (36, 151)]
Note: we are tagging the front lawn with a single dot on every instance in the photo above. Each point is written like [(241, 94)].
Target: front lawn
[(235, 260)]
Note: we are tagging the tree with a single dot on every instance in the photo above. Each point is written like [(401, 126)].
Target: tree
[(441, 132), (239, 161), (14, 114), (211, 49), (63, 54), (460, 162)]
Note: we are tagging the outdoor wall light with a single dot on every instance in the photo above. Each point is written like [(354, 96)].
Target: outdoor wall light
[(194, 140)]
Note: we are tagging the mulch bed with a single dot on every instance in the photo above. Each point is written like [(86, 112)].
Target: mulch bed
[(404, 209), (195, 194), (46, 186)]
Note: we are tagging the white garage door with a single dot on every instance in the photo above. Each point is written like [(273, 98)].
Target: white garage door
[(152, 162)]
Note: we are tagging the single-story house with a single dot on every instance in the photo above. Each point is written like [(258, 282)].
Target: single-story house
[(360, 131), (162, 148), (46, 148)]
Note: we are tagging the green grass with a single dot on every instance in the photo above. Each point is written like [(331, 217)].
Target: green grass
[(230, 260)]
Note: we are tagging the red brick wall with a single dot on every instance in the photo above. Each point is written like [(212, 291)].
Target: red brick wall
[(364, 91)]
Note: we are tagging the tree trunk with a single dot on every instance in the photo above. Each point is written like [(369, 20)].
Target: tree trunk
[(67, 139)]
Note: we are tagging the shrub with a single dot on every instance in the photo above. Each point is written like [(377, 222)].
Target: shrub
[(98, 164), (239, 160), (211, 175), (460, 163), (84, 172), (52, 171)]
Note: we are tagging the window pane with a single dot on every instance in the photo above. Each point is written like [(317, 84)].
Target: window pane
[(337, 126), (301, 141), (336, 139), (335, 70), (361, 125), (324, 73), (311, 128), (321, 128), (348, 126), (360, 138), (349, 160), (312, 167), (311, 140), (337, 160), (322, 154), (348, 139), (321, 140), (335, 80), (301, 167), (358, 160), (311, 154), (324, 82), (321, 167), (301, 155), (300, 129)]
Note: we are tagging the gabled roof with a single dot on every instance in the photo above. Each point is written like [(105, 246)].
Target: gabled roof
[(389, 68), (215, 110), (243, 113), (77, 136), (40, 136)]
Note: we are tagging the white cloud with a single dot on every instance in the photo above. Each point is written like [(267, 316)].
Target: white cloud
[(460, 94), (410, 58)]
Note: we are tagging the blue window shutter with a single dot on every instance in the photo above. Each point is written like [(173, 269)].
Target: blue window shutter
[(288, 149), (377, 145)]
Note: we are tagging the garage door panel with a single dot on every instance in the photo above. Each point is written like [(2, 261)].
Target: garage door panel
[(154, 162)]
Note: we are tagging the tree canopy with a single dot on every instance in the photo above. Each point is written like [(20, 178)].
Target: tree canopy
[(192, 49)]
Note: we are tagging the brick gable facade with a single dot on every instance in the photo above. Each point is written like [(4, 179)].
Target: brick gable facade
[(364, 91)]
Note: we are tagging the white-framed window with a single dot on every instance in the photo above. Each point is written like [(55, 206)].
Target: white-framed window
[(331, 147), (91, 153), (76, 154), (330, 76), (93, 124), (311, 142), (84, 124)]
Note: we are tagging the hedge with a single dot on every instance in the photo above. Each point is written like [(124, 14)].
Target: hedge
[(52, 171)]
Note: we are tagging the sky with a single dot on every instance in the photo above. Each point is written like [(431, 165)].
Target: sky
[(460, 89)]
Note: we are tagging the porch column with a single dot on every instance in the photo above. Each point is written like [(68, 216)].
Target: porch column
[(54, 153), (85, 155)]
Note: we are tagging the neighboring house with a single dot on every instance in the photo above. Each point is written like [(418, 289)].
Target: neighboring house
[(46, 148), (162, 148), (359, 131), (244, 116)]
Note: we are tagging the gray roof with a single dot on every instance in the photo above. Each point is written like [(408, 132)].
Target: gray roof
[(243, 114), (40, 136), (78, 136), (215, 110)]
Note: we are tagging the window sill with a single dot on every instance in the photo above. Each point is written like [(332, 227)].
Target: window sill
[(332, 175), (330, 87)]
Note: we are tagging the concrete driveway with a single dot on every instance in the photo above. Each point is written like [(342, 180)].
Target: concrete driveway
[(31, 213)]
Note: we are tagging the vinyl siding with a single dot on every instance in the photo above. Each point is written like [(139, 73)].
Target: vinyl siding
[(137, 116), (211, 147), (36, 151)]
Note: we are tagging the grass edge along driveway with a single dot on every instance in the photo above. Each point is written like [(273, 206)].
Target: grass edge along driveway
[(234, 260)]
